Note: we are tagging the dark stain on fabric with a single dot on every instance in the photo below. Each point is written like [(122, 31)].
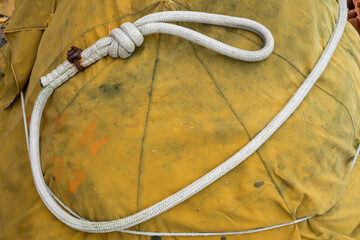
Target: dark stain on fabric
[(258, 184), (223, 238), (109, 90), (105, 90), (155, 238)]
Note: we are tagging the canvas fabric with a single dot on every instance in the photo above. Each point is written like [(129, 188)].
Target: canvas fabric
[(127, 133)]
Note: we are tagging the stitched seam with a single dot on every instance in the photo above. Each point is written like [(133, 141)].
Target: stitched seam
[(146, 123), (347, 110), (218, 88), (14, 30), (88, 82), (293, 66), (247, 132), (326, 92), (145, 127), (263, 162), (303, 75)]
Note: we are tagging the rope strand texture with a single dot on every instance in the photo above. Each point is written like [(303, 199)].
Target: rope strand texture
[(122, 41), (153, 24)]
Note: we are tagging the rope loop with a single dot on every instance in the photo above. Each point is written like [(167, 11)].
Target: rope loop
[(121, 43)]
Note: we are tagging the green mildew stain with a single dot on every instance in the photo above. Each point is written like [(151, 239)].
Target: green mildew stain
[(109, 90), (105, 91)]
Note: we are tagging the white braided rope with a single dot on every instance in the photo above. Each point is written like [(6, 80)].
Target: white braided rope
[(148, 25), (122, 41)]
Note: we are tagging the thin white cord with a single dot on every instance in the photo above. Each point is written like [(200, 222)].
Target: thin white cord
[(121, 44), (64, 206), (216, 233), (181, 234), (27, 145), (355, 158), (25, 123), (177, 234)]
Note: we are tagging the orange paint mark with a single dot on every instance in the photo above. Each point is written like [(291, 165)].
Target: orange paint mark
[(74, 185), (28, 120), (90, 139), (62, 119), (59, 167), (88, 135), (95, 146)]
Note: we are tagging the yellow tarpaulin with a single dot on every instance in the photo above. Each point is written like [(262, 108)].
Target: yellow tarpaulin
[(125, 134)]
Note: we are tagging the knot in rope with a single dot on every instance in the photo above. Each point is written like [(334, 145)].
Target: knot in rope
[(124, 40), (121, 43)]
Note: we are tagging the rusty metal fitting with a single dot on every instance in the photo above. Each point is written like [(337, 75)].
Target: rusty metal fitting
[(74, 56)]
